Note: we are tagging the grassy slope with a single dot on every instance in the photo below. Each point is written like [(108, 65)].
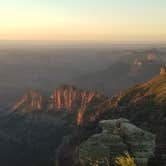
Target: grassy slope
[(155, 90), (156, 86)]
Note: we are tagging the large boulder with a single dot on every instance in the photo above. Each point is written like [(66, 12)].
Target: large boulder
[(117, 137)]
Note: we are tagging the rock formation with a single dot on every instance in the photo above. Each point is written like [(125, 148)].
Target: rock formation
[(64, 98), (70, 98), (31, 101), (151, 57), (117, 137), (163, 71)]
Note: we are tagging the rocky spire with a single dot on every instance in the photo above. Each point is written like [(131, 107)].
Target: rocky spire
[(163, 71)]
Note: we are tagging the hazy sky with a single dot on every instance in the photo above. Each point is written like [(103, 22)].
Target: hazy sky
[(104, 20)]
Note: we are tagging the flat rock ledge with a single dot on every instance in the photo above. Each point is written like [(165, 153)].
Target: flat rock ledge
[(117, 137)]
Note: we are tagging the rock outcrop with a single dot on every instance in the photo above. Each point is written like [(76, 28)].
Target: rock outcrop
[(31, 101), (117, 137), (64, 98), (70, 98), (163, 71)]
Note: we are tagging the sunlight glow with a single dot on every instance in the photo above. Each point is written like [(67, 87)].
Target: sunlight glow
[(83, 20)]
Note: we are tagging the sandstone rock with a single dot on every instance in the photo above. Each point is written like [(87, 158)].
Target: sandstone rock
[(70, 98), (64, 98), (31, 101), (163, 71), (117, 137)]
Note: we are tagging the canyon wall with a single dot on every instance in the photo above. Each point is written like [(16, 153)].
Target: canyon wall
[(64, 98)]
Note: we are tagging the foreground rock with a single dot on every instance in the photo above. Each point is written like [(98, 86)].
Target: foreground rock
[(117, 137)]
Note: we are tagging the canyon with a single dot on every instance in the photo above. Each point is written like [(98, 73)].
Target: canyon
[(143, 104), (64, 98), (49, 128)]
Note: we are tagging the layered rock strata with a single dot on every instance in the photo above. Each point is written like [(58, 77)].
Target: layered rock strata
[(117, 137)]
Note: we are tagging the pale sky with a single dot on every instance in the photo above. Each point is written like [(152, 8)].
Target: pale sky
[(100, 20)]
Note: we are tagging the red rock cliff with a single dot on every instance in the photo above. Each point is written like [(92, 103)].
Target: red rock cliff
[(64, 98), (33, 100), (70, 98)]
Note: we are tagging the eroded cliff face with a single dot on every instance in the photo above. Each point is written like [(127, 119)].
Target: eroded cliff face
[(72, 99), (31, 101), (64, 98)]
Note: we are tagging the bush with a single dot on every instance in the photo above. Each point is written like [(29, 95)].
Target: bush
[(125, 160)]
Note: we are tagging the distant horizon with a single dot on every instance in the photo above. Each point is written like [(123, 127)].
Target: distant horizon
[(83, 41), (38, 44)]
